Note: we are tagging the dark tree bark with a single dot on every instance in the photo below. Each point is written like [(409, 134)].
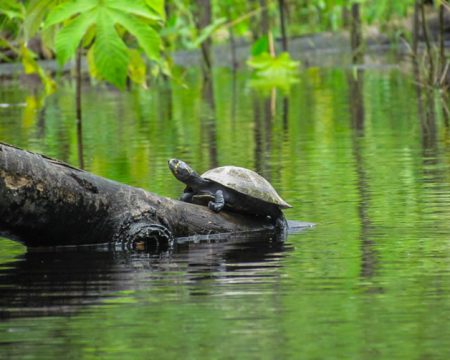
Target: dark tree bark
[(204, 19), (415, 31), (356, 35), (45, 202), (265, 21)]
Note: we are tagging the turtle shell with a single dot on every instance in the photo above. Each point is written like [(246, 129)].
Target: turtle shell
[(246, 182)]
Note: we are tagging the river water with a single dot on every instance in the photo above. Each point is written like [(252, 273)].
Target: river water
[(352, 151)]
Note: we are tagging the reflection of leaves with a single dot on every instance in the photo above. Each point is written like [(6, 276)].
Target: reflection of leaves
[(168, 68), (271, 72), (31, 66), (10, 250), (33, 103)]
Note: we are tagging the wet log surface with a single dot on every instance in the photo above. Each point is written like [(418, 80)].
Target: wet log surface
[(45, 202)]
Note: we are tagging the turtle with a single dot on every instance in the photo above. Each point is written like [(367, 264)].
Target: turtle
[(231, 188)]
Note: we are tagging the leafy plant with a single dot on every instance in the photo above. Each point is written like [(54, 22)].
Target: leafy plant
[(271, 71), (274, 72), (105, 27), (14, 15)]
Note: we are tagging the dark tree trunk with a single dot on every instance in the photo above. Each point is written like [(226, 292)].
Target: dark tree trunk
[(204, 19), (356, 36), (44, 202), (415, 32), (265, 22)]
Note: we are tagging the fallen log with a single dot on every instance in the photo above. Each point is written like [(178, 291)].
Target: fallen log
[(45, 202)]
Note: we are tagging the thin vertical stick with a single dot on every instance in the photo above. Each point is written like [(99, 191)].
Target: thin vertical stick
[(78, 109), (441, 38), (271, 45), (284, 41)]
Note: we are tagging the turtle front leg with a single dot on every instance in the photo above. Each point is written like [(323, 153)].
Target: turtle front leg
[(218, 203), (187, 197)]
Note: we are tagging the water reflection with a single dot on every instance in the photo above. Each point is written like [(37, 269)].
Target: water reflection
[(208, 120), (357, 123), (46, 282), (263, 118), (373, 174)]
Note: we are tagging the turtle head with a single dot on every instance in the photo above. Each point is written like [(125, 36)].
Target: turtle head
[(182, 171)]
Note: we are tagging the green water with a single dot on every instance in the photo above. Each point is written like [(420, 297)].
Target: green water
[(371, 281)]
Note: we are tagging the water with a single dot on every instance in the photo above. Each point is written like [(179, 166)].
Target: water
[(371, 281)]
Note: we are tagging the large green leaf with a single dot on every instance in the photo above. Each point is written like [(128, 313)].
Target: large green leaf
[(97, 22), (67, 10), (260, 46), (110, 52), (135, 7), (147, 37), (69, 37), (157, 6)]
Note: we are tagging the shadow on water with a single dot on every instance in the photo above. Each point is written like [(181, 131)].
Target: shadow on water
[(48, 281), (428, 126)]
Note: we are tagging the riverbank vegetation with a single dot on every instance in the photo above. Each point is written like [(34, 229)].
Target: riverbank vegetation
[(132, 43), (115, 36)]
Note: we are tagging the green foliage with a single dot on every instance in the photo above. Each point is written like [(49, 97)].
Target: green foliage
[(181, 30), (11, 18), (15, 15), (383, 11), (260, 46), (114, 29), (308, 16), (36, 10), (12, 9), (107, 23), (207, 31)]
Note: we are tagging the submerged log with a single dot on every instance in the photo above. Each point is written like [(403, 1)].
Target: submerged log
[(45, 202)]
